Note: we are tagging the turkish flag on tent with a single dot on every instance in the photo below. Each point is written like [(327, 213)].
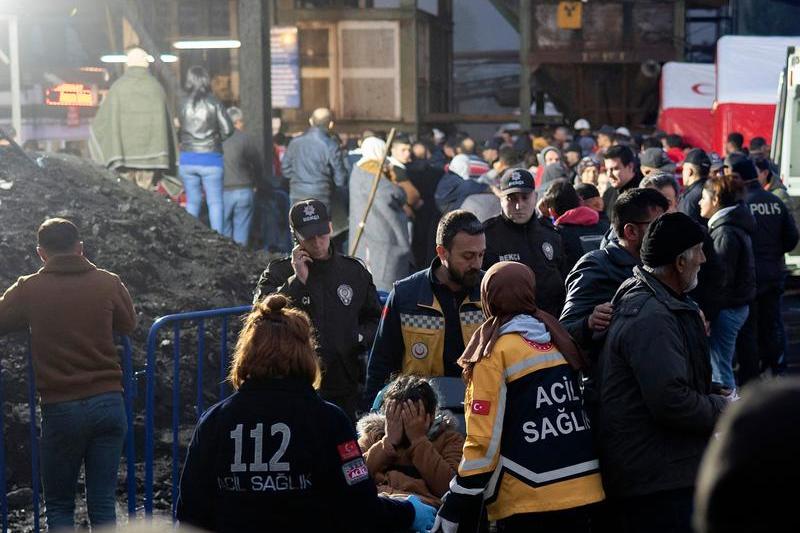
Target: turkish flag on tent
[(748, 71), (687, 95)]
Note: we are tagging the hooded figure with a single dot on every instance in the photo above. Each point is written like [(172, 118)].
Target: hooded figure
[(456, 185), (521, 372), (385, 244)]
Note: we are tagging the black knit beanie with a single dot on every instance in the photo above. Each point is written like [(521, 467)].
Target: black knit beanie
[(669, 236)]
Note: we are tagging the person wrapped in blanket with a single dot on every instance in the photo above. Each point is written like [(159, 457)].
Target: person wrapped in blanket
[(411, 447), (528, 454)]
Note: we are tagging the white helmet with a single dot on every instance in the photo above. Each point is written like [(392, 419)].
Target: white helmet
[(582, 124)]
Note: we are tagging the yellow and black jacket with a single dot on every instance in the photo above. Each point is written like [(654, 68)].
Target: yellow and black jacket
[(411, 334), (529, 442)]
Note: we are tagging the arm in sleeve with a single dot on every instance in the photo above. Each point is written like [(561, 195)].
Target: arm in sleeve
[(380, 456), (484, 409), (197, 485), (370, 315), (727, 248), (580, 302), (12, 310), (287, 163), (663, 380), (225, 123), (387, 351), (353, 487), (124, 320), (336, 161), (437, 469), (789, 231), (269, 282)]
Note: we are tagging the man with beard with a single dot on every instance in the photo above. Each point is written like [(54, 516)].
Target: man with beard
[(517, 234), (430, 316), (656, 410)]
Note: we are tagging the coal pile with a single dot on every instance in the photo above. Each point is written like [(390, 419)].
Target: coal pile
[(169, 261)]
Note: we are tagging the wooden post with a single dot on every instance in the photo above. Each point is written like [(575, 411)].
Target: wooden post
[(255, 78), (524, 64)]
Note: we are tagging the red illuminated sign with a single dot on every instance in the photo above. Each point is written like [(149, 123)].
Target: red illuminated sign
[(71, 94)]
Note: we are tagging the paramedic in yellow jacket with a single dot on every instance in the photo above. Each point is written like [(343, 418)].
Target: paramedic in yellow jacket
[(528, 453), (430, 316)]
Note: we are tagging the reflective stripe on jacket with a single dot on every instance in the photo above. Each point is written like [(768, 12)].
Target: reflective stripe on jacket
[(529, 442), (411, 334)]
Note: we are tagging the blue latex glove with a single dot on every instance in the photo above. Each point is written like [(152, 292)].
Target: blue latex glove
[(424, 515)]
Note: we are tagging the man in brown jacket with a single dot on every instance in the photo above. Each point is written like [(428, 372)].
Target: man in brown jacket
[(72, 309)]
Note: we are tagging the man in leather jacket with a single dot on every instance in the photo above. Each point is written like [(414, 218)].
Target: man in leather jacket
[(339, 296), (313, 163)]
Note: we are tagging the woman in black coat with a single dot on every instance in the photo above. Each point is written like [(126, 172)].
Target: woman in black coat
[(274, 456), (730, 225)]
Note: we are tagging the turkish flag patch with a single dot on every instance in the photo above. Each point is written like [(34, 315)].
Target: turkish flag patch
[(349, 450), (481, 407)]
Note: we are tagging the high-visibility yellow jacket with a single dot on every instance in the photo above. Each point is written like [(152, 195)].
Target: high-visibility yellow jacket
[(529, 442)]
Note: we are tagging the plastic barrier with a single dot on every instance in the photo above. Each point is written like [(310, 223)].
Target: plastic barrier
[(130, 450), (177, 321)]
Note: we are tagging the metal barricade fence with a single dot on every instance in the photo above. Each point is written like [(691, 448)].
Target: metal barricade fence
[(177, 320), (130, 448)]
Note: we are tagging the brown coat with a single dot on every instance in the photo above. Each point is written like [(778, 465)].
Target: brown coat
[(72, 309), (425, 468)]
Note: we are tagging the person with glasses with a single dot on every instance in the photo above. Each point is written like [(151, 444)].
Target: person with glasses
[(595, 278)]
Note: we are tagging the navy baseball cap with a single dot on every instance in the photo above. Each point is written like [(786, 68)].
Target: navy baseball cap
[(309, 218), (516, 180)]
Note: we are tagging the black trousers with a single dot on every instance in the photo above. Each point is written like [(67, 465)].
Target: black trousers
[(566, 521), (662, 512), (760, 343)]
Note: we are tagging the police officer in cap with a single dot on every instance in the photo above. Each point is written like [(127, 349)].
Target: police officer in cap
[(338, 294), (517, 234)]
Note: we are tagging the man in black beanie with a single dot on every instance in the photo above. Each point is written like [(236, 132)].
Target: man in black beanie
[(654, 376)]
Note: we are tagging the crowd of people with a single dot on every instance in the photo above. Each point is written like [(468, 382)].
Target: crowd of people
[(603, 297)]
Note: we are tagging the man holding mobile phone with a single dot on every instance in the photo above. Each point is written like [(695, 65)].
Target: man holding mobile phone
[(338, 294)]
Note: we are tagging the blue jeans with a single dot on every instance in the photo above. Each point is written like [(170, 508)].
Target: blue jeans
[(196, 180), (724, 330), (91, 432), (237, 214)]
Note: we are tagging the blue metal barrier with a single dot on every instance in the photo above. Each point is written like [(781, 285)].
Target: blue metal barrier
[(177, 320), (130, 449)]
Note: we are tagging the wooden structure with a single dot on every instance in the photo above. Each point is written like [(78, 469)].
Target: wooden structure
[(376, 68), (598, 60)]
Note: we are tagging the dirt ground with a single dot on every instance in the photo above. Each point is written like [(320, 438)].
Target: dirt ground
[(170, 263)]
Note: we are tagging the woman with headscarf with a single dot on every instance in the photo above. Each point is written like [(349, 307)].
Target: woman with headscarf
[(528, 451), (385, 244)]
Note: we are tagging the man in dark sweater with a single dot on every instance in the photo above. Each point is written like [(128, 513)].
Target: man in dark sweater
[(73, 309), (620, 163), (243, 170)]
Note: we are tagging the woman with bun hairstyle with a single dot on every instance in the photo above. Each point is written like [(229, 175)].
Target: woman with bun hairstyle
[(274, 456), (730, 225)]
